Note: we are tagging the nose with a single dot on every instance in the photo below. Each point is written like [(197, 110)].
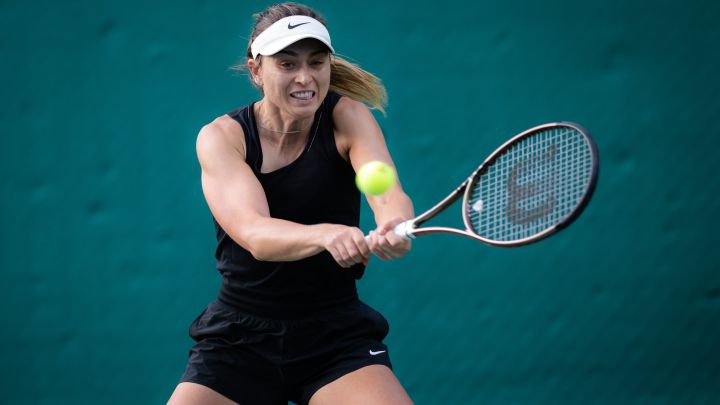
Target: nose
[(303, 75)]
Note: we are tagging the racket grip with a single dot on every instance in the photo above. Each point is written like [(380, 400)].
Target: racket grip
[(402, 230)]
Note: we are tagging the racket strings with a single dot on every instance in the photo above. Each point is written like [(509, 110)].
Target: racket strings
[(532, 186)]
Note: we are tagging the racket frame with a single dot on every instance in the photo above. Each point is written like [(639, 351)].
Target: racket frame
[(409, 229)]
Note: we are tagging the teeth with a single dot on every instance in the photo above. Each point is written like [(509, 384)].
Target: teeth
[(303, 95)]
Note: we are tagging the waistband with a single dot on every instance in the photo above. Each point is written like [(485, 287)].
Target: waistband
[(286, 306)]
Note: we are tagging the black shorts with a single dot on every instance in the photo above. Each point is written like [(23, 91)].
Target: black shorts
[(254, 360)]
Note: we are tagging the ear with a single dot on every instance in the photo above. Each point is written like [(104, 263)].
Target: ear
[(254, 68)]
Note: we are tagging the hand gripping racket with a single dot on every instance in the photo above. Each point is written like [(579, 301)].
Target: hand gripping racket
[(531, 187)]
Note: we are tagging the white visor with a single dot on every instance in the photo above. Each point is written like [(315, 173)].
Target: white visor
[(286, 32)]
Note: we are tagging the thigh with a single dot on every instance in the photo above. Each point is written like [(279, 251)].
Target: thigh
[(371, 385), (187, 393), (334, 344)]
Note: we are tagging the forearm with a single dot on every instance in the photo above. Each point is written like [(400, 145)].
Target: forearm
[(272, 239), (394, 204), (390, 209)]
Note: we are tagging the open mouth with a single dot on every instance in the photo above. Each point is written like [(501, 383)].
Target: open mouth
[(303, 95)]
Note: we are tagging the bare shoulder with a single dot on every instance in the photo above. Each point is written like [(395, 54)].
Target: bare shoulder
[(221, 136), (353, 123), (348, 111)]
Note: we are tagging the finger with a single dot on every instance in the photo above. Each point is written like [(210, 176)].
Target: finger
[(381, 255), (354, 255), (397, 242), (344, 256), (392, 254), (396, 246), (401, 247), (354, 245), (336, 255), (387, 227), (374, 240), (375, 246), (362, 245), (390, 225), (384, 249)]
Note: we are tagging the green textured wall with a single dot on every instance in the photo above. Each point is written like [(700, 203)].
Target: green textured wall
[(106, 243)]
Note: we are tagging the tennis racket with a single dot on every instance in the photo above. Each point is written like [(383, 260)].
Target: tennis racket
[(531, 187)]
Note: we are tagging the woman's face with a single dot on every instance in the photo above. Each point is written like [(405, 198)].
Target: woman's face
[(297, 78)]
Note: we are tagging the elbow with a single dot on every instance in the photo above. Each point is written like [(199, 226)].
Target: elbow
[(259, 254), (252, 241), (256, 248)]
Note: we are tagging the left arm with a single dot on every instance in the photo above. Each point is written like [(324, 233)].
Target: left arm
[(360, 139)]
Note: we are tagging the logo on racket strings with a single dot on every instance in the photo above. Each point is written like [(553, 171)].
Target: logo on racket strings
[(531, 186)]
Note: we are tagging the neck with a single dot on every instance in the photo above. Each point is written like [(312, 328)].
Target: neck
[(275, 120), (286, 136)]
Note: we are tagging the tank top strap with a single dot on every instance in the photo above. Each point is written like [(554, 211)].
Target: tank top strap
[(326, 133), (253, 152)]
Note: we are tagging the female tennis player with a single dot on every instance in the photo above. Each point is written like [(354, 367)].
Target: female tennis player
[(278, 176)]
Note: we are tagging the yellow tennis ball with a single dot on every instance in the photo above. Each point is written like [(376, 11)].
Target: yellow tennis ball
[(375, 178)]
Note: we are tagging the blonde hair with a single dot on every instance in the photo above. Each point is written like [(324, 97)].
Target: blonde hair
[(349, 79), (346, 78)]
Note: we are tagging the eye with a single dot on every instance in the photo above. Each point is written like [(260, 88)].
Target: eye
[(287, 65), (318, 62)]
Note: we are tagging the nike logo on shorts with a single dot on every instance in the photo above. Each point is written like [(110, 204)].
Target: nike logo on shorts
[(372, 353)]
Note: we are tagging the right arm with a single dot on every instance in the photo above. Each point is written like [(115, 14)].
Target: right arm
[(237, 200)]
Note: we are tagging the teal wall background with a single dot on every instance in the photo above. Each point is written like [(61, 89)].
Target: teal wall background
[(106, 243)]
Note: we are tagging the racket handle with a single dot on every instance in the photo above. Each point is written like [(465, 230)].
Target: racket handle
[(402, 230)]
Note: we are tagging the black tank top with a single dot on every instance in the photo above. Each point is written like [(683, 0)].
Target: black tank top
[(318, 187)]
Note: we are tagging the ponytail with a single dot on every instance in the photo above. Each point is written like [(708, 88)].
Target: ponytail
[(349, 79)]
